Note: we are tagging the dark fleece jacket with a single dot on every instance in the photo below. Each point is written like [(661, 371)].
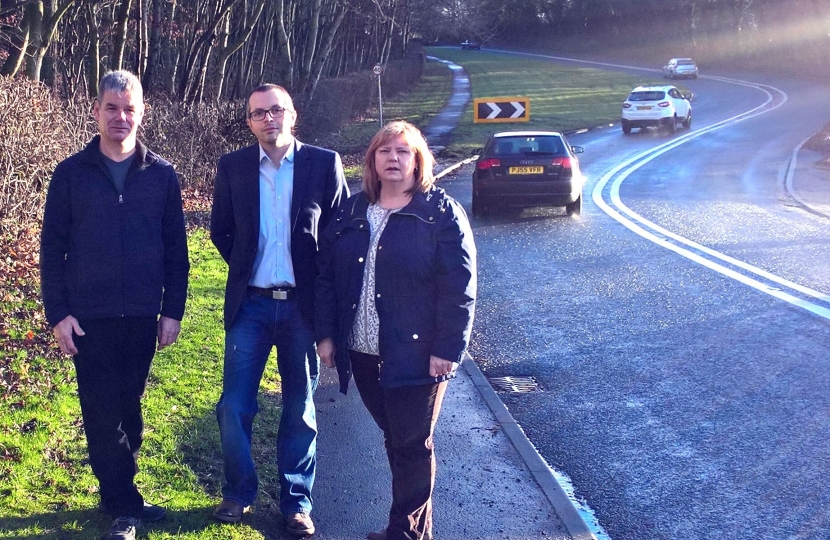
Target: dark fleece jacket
[(108, 254)]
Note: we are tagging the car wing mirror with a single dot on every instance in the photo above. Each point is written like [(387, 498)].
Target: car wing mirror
[(577, 149)]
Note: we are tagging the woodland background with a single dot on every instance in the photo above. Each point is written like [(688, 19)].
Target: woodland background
[(198, 59)]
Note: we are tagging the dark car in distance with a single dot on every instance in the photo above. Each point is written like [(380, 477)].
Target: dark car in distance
[(523, 169), (468, 45)]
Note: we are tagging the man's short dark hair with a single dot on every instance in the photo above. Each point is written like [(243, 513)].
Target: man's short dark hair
[(120, 81), (267, 88)]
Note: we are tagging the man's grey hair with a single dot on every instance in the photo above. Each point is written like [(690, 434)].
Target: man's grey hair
[(120, 81)]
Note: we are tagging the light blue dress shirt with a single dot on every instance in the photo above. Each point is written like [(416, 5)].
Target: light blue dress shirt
[(272, 266)]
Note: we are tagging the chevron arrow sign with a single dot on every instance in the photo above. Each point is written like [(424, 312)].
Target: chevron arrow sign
[(501, 109)]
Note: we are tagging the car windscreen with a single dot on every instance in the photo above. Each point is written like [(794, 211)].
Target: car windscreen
[(685, 63), (650, 95), (526, 146)]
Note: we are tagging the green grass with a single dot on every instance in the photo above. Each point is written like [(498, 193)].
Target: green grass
[(562, 97), (417, 106), (48, 491)]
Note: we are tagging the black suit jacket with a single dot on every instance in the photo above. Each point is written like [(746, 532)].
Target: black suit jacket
[(319, 187)]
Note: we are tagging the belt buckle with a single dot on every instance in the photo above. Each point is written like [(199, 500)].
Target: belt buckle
[(279, 295)]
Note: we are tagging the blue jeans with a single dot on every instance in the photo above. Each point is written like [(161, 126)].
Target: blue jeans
[(263, 323)]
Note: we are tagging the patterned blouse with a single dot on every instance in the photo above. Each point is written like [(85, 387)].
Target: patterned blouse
[(366, 329)]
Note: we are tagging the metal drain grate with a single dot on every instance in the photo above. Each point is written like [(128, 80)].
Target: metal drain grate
[(518, 385)]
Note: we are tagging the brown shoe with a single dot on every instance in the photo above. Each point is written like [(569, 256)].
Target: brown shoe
[(377, 535), (298, 524), (229, 511)]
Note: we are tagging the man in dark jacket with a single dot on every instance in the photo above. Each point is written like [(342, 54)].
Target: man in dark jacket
[(114, 272), (270, 201)]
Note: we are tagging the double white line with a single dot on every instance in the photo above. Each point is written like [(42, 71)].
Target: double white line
[(772, 285)]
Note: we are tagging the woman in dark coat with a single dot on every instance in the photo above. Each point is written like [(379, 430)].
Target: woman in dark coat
[(394, 307)]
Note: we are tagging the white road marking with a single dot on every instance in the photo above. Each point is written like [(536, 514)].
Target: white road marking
[(694, 251)]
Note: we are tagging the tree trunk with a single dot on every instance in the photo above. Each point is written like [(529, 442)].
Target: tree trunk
[(325, 51), (285, 69), (310, 46), (94, 72), (153, 47), (199, 54), (142, 38), (43, 30), (264, 57), (34, 14), (120, 35), (170, 53), (387, 40), (20, 43)]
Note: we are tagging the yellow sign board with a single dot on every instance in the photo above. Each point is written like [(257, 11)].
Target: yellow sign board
[(501, 109)]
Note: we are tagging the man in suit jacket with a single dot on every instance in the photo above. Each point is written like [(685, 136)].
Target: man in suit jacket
[(270, 200)]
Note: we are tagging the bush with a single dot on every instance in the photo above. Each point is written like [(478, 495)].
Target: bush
[(338, 101), (36, 132), (193, 137)]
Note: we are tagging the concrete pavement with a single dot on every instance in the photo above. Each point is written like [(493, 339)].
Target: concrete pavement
[(491, 482)]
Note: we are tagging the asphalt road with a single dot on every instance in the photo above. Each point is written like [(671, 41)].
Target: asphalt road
[(683, 377)]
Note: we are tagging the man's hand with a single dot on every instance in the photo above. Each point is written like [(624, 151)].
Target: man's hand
[(63, 332), (438, 367), (168, 332), (325, 350)]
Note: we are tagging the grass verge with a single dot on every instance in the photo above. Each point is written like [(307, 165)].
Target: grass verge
[(562, 97)]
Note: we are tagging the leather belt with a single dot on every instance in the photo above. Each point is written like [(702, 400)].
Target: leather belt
[(276, 293)]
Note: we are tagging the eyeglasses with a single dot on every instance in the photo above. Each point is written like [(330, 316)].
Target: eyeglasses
[(258, 115)]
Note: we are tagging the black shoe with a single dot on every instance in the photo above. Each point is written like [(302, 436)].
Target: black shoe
[(149, 514), (152, 513), (122, 528)]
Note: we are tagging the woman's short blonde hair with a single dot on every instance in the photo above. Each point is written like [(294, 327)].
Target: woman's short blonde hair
[(424, 161)]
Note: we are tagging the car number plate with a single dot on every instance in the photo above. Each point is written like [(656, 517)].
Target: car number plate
[(526, 170), (643, 107)]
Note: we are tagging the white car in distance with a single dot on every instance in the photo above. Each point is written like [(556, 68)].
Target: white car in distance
[(678, 68)]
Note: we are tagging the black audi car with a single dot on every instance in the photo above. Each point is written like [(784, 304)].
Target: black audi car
[(522, 169)]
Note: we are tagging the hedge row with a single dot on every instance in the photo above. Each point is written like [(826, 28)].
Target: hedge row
[(38, 130)]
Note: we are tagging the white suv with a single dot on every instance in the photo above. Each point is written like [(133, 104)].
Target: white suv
[(656, 106)]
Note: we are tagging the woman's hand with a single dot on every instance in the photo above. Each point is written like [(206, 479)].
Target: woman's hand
[(438, 367), (325, 350)]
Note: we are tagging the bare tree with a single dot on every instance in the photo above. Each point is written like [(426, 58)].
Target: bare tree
[(250, 13), (34, 36)]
